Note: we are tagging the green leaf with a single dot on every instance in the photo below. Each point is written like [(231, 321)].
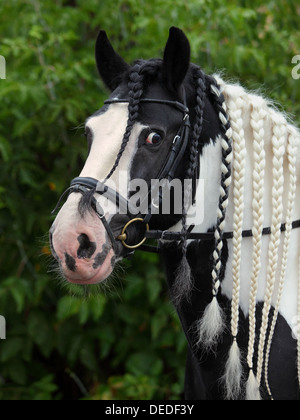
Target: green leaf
[(44, 389), (41, 333), (5, 149), (144, 363), (10, 348), (67, 307), (36, 32), (18, 372)]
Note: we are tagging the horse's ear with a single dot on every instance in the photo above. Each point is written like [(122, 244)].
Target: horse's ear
[(176, 58), (110, 65)]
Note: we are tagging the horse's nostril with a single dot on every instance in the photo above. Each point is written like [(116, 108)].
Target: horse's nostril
[(86, 248)]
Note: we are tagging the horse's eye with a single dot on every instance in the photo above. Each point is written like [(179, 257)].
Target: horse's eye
[(154, 138)]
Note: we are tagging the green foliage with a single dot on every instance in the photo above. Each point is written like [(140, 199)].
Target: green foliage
[(127, 343)]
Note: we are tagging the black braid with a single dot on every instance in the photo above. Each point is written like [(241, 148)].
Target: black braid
[(212, 324), (199, 79), (135, 85), (225, 182), (183, 282), (139, 72)]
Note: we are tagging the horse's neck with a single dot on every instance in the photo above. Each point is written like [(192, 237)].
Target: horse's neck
[(260, 193), (203, 214)]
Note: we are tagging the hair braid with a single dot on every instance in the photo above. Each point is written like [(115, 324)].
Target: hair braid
[(225, 183), (199, 78), (278, 141), (135, 85), (212, 324), (292, 162), (183, 281), (258, 116), (233, 371)]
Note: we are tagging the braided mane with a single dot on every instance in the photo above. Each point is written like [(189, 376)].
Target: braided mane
[(264, 138)]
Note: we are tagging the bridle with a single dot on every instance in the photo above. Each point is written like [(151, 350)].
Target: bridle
[(179, 146), (84, 184)]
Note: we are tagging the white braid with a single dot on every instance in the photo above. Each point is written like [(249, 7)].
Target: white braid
[(292, 157), (258, 116), (278, 141), (233, 371)]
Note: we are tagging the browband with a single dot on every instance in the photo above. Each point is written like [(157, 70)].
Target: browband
[(181, 107)]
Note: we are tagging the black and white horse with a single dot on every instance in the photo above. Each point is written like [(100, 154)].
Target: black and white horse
[(228, 165)]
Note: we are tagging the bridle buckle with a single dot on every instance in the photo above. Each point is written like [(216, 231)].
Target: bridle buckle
[(123, 236)]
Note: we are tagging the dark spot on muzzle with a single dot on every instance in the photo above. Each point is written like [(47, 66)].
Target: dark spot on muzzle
[(70, 262), (101, 256), (87, 248), (113, 261)]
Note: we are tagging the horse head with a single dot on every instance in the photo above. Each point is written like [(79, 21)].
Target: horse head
[(153, 127)]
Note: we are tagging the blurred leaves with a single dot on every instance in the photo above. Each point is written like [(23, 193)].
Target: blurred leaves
[(125, 343)]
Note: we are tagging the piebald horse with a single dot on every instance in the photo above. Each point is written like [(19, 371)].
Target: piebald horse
[(212, 172)]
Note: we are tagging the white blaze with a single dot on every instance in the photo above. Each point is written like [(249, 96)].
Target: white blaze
[(108, 131)]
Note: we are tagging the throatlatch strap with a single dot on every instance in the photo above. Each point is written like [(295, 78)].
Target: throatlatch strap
[(208, 236)]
